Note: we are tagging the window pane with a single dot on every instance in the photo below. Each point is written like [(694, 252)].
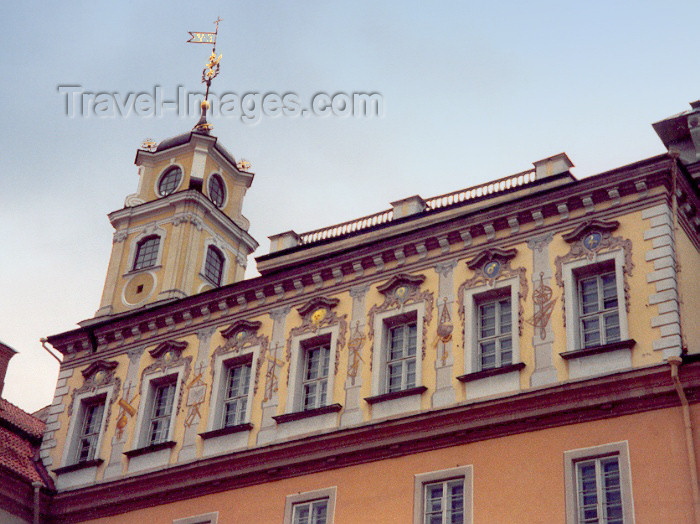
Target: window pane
[(214, 266), (169, 181), (147, 253)]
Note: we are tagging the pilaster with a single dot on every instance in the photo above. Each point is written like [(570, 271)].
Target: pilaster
[(352, 413), (445, 393)]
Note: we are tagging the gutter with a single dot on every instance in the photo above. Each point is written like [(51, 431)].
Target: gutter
[(675, 362)]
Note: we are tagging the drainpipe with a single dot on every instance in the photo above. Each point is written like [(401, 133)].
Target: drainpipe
[(675, 362), (37, 508)]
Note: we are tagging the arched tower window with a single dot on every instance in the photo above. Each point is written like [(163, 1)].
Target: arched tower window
[(147, 252), (169, 181), (214, 265), (217, 190)]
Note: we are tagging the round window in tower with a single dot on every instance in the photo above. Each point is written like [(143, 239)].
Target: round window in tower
[(217, 192), (169, 181)]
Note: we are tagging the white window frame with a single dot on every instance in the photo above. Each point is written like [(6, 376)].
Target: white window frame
[(224, 249), (420, 481), (204, 518), (156, 183), (222, 364), (223, 183), (382, 324), (80, 402), (295, 393), (133, 249), (620, 450), (473, 297), (571, 272), (148, 388), (328, 494)]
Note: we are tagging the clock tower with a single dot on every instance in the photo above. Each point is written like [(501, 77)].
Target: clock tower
[(182, 232)]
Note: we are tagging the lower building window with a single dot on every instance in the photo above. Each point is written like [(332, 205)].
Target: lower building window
[(598, 485), (235, 403), (598, 491), (310, 507), (443, 497), (315, 381), (599, 319), (313, 512), (495, 340), (401, 357), (163, 397), (444, 502)]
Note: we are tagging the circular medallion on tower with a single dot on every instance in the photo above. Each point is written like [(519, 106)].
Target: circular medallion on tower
[(169, 181), (217, 190)]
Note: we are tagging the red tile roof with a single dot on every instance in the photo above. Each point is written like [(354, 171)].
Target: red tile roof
[(21, 419), (20, 438)]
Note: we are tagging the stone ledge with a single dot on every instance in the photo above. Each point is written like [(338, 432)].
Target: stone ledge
[(419, 390), (78, 465), (238, 428), (150, 449), (491, 372), (595, 350), (299, 415)]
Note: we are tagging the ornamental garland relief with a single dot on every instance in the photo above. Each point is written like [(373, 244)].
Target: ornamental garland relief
[(401, 290), (240, 336), (490, 266), (317, 314), (99, 374), (589, 240), (168, 355)]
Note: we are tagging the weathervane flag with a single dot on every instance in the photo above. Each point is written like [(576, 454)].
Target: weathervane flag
[(202, 38)]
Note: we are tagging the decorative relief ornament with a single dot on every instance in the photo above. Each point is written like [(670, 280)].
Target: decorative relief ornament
[(240, 336), (399, 291), (355, 343), (196, 393), (271, 377), (316, 315), (126, 410), (444, 330), (98, 375), (489, 266), (588, 240), (544, 305)]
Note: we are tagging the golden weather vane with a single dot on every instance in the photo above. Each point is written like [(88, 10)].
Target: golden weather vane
[(210, 72)]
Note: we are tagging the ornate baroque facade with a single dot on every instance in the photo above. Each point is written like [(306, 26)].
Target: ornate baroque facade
[(520, 351)]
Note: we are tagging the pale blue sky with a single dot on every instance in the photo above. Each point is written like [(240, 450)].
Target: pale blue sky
[(472, 91)]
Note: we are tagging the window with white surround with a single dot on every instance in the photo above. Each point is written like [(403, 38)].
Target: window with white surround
[(161, 412), (398, 348), (315, 379), (443, 497), (147, 252), (86, 428), (90, 430), (598, 485), (232, 390), (491, 326), (598, 309), (236, 394), (401, 344), (311, 507), (595, 301), (169, 181), (494, 333), (214, 265), (312, 374), (160, 392), (205, 518)]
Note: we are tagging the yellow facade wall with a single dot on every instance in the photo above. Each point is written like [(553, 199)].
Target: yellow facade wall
[(689, 290)]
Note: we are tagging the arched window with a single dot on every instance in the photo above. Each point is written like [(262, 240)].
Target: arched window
[(169, 181), (214, 265), (217, 191), (147, 252)]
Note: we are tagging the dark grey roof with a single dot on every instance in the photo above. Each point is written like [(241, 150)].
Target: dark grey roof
[(184, 138)]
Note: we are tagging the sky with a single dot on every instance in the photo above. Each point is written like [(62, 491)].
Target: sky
[(471, 91)]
